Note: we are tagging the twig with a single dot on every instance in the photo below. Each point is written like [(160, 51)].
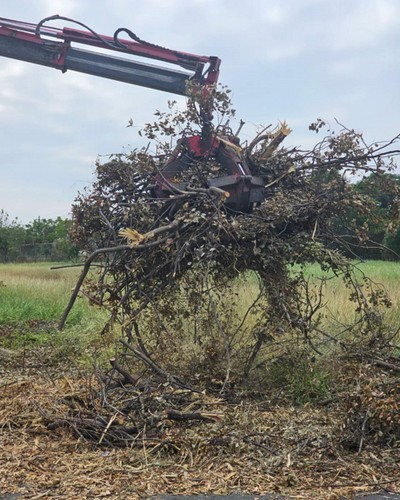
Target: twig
[(384, 364), (100, 251), (364, 425), (157, 369), (55, 422), (241, 124), (178, 415), (128, 378), (66, 266), (107, 427), (226, 345)]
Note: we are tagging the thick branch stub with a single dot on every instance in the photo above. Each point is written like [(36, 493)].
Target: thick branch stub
[(82, 277)]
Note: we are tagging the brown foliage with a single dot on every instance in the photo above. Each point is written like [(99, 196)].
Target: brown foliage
[(168, 267)]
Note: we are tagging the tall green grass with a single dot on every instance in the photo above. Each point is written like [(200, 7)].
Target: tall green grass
[(34, 292), (32, 300), (336, 296)]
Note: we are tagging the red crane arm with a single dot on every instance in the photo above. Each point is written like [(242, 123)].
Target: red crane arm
[(32, 43), (50, 46)]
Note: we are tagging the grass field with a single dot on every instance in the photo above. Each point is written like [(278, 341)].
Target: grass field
[(32, 299), (382, 273), (32, 291), (35, 292)]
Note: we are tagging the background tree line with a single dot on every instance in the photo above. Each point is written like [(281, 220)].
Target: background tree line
[(48, 239), (40, 240), (379, 223)]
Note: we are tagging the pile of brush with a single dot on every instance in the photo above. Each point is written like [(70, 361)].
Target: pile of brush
[(170, 278)]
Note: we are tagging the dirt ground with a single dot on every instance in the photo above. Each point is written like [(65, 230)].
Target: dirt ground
[(254, 448)]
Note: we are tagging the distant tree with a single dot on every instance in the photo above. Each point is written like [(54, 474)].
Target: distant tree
[(50, 238), (391, 242), (11, 237), (381, 192), (374, 214), (42, 239)]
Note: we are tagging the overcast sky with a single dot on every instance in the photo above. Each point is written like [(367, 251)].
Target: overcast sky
[(293, 60)]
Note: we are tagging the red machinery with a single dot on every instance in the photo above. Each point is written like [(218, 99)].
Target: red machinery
[(50, 46)]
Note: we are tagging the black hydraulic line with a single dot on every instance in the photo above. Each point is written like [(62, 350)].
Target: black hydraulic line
[(57, 17), (118, 44)]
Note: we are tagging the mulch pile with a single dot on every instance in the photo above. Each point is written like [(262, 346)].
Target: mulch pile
[(235, 446)]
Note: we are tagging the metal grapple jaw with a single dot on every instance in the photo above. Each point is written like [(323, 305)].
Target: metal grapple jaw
[(242, 189)]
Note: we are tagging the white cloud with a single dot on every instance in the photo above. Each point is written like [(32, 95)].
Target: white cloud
[(11, 68), (285, 30), (51, 7), (360, 25)]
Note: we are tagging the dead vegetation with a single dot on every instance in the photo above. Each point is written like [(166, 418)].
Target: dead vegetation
[(67, 435), (170, 268)]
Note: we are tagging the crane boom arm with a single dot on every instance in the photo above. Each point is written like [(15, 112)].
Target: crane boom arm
[(50, 46), (35, 43)]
